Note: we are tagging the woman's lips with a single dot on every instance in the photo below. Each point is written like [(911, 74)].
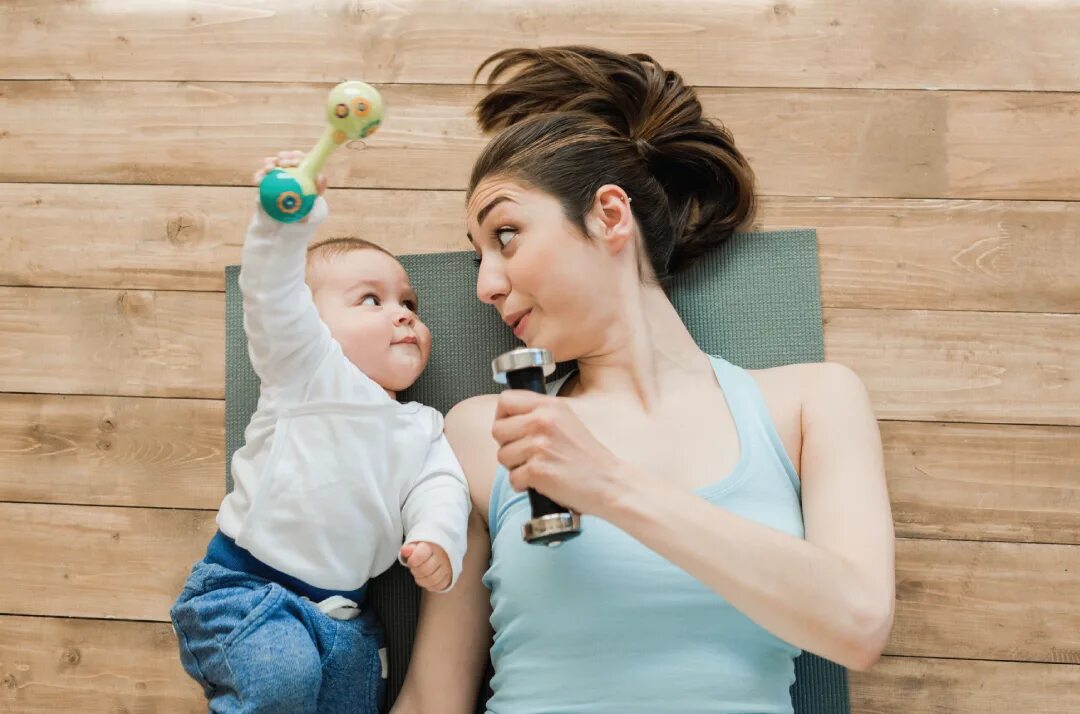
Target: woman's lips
[(519, 328)]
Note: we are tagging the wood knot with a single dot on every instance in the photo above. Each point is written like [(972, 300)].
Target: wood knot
[(132, 304), (182, 230), (70, 656), (108, 424)]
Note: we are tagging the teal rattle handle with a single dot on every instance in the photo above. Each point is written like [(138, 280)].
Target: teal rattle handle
[(354, 110)]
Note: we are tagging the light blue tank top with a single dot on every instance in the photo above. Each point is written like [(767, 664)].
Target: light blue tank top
[(603, 625)]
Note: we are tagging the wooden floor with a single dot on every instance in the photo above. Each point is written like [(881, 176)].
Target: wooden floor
[(934, 144)]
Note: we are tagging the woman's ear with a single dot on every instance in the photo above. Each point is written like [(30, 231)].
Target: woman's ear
[(611, 218)]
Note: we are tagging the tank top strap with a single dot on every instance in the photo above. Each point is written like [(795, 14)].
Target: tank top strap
[(755, 425), (501, 492)]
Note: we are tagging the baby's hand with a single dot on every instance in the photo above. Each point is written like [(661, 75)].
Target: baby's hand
[(286, 160), (429, 565)]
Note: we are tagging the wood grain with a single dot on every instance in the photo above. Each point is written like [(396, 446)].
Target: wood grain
[(98, 666), (958, 599), (964, 44), (962, 366), (915, 685), (906, 254), (828, 142), (50, 665), (1003, 601), (120, 451), (130, 342), (925, 366), (948, 481), (984, 482), (87, 561)]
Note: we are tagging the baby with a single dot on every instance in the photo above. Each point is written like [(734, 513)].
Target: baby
[(336, 479)]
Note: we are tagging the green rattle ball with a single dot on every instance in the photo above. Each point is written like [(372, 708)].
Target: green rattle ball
[(354, 110)]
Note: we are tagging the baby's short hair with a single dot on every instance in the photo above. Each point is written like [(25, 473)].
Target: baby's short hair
[(333, 247)]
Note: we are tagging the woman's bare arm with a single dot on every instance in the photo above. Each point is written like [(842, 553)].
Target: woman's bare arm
[(452, 640), (454, 633), (832, 593)]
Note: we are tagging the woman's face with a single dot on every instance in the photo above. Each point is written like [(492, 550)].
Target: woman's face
[(553, 286)]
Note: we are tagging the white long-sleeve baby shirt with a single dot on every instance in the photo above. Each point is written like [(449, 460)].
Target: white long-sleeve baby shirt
[(334, 475)]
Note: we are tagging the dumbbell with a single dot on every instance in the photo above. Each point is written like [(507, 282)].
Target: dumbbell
[(525, 368)]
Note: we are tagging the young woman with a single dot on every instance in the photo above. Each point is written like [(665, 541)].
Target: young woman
[(731, 517)]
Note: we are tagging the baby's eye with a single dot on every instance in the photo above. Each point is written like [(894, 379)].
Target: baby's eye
[(369, 300), (505, 235), (412, 306)]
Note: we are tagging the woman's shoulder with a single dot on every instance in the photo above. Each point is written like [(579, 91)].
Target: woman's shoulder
[(468, 427), (809, 387), (799, 396)]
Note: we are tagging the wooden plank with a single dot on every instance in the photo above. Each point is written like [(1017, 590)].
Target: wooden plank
[(1014, 601), (136, 343), (182, 237), (923, 366), (941, 255), (52, 665), (907, 254), (984, 482), (112, 451), (951, 481), (965, 44), (914, 685), (962, 366), (87, 561), (954, 598), (890, 144)]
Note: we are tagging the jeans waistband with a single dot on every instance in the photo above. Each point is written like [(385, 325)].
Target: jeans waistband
[(224, 551)]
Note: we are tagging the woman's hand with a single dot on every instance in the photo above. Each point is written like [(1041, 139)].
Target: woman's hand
[(545, 446)]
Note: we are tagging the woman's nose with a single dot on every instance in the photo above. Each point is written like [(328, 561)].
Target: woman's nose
[(491, 283)]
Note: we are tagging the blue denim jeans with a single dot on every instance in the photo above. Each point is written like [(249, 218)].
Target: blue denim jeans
[(255, 646)]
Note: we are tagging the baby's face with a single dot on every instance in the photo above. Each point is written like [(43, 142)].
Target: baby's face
[(364, 297)]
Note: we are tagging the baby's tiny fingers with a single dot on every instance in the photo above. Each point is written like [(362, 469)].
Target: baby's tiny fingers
[(427, 568), (421, 554), (436, 583)]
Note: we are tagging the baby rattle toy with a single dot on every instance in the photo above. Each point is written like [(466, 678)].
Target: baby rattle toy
[(354, 111), (525, 368)]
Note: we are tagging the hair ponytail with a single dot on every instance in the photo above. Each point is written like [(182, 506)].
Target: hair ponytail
[(572, 119)]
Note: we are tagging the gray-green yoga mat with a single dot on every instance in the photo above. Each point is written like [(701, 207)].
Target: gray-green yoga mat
[(755, 301)]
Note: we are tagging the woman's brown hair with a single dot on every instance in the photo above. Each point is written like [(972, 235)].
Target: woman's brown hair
[(572, 119)]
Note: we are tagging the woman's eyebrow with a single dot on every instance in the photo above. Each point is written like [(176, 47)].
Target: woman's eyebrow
[(487, 209)]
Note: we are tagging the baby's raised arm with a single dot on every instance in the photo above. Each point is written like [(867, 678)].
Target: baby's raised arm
[(286, 337)]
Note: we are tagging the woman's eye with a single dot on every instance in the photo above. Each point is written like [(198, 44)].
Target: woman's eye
[(505, 235), (369, 300)]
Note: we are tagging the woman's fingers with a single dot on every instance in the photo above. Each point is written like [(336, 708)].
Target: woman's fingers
[(513, 402), (507, 430)]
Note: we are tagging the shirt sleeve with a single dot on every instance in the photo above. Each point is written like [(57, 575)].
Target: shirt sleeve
[(436, 507), (286, 337)]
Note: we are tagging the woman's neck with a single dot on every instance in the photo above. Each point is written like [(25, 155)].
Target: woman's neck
[(646, 345)]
